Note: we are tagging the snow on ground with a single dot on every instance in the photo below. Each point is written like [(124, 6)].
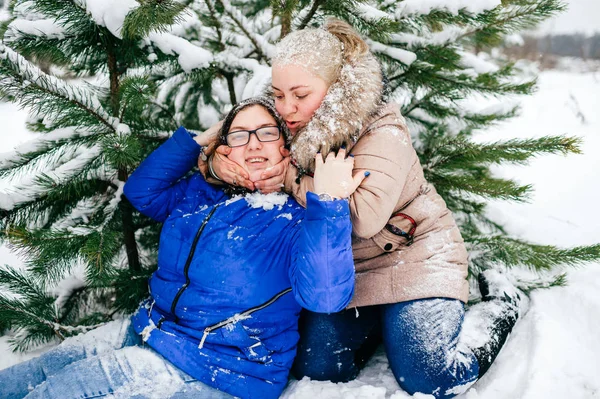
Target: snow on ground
[(553, 352)]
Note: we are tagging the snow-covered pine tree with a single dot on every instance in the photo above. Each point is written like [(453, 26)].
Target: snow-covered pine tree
[(65, 208), (151, 65)]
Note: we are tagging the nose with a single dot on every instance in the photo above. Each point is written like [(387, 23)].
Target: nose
[(288, 107), (254, 143)]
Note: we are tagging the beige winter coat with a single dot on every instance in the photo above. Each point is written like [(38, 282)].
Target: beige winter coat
[(388, 270)]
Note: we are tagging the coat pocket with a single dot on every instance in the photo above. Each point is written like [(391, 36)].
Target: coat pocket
[(247, 341), (397, 233), (256, 352)]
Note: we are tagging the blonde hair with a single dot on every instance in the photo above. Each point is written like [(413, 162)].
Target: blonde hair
[(322, 51), (352, 44)]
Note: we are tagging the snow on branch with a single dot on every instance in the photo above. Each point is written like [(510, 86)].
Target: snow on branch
[(424, 7), (31, 74), (42, 27), (190, 56), (29, 188), (477, 63), (404, 56), (448, 35), (261, 74), (59, 329), (262, 46), (114, 202), (371, 13), (76, 223), (110, 13), (10, 158), (81, 213)]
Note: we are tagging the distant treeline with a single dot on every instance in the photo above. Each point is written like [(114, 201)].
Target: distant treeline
[(573, 45)]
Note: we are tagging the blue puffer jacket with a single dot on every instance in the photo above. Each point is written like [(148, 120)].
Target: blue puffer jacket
[(230, 260)]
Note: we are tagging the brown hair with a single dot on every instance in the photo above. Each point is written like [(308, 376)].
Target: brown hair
[(263, 101)]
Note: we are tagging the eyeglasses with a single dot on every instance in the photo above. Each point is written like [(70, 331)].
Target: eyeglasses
[(263, 134)]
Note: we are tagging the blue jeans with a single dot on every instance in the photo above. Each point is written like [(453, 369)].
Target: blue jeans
[(420, 339), (110, 360)]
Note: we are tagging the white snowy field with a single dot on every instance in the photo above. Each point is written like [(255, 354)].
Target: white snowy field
[(553, 352)]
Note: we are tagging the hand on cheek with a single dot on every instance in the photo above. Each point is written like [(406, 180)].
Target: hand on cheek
[(272, 179)]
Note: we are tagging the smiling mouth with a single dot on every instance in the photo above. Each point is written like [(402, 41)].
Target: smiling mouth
[(256, 160), (292, 125)]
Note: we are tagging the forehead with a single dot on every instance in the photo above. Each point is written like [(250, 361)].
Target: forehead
[(251, 117), (286, 76)]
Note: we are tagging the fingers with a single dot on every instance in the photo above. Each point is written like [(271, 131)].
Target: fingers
[(270, 183), (226, 167), (340, 156), (284, 152), (223, 150), (237, 179), (240, 181), (358, 179), (229, 171), (275, 170), (319, 160)]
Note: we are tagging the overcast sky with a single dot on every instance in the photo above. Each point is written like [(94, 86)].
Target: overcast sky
[(583, 16)]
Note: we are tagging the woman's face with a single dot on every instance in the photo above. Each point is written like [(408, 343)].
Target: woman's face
[(298, 94), (256, 156)]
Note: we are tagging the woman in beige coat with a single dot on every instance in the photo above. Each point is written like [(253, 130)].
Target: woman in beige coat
[(410, 259)]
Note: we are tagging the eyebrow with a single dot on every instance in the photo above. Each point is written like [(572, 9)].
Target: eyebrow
[(292, 88), (237, 128)]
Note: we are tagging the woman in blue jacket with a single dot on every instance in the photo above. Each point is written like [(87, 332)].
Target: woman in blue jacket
[(234, 270)]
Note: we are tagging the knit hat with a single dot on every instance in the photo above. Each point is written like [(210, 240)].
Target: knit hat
[(266, 102)]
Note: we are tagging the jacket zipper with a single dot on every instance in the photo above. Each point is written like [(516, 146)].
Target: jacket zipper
[(186, 268), (240, 316)]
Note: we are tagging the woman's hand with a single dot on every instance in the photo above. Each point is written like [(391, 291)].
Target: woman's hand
[(271, 180), (227, 170), (209, 135), (334, 175)]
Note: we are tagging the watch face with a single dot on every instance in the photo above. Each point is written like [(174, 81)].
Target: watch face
[(325, 197)]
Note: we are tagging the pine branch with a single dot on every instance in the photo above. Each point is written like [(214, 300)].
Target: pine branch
[(306, 20), (19, 315), (284, 10), (36, 329), (263, 48), (152, 16), (216, 22), (129, 287), (25, 76), (15, 281), (478, 182), (31, 190), (50, 255), (48, 151), (31, 310), (458, 153), (520, 15), (513, 253), (527, 287)]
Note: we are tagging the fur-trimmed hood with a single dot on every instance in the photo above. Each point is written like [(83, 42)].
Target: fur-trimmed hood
[(348, 104)]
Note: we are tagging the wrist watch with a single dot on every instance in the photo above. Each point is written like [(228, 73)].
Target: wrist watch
[(325, 197)]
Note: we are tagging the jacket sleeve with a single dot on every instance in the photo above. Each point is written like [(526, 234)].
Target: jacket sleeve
[(322, 270), (156, 186), (387, 153)]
